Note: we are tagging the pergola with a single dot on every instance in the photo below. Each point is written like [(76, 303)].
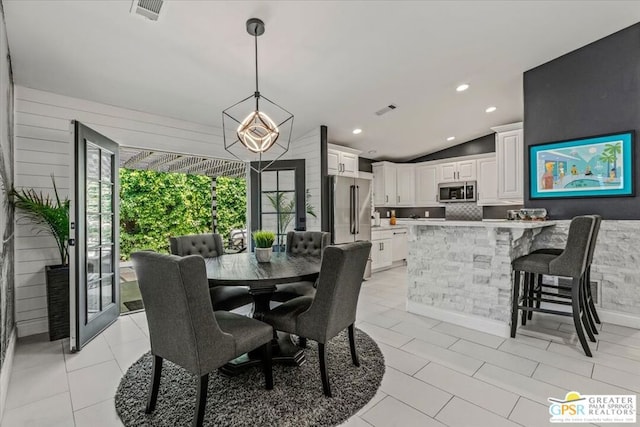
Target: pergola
[(161, 161)]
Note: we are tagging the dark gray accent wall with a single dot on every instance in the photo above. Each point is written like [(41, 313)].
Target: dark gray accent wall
[(591, 91), (324, 180), (484, 144)]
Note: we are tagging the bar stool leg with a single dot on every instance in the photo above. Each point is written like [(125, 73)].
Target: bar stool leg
[(514, 303), (592, 306), (525, 297), (584, 313), (575, 305), (585, 307)]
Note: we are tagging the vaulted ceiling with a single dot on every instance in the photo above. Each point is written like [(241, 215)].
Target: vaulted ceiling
[(328, 62)]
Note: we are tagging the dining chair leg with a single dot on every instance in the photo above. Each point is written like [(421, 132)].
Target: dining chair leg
[(201, 401), (352, 345), (525, 297), (592, 306), (267, 366), (577, 322), (322, 356), (155, 384), (514, 303), (302, 342)]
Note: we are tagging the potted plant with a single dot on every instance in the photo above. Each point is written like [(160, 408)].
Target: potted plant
[(264, 243), (50, 215)]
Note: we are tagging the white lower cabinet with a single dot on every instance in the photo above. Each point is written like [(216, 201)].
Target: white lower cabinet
[(381, 248)]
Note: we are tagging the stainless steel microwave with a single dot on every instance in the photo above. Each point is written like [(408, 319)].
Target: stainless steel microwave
[(457, 192)]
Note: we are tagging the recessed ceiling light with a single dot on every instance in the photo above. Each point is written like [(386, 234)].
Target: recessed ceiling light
[(451, 138), (490, 109), (372, 151), (462, 87), (357, 131)]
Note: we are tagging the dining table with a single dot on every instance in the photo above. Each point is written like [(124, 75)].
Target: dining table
[(262, 277)]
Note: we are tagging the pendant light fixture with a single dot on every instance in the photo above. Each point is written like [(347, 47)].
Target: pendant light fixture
[(266, 126)]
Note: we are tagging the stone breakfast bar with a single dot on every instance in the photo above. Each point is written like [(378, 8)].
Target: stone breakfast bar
[(460, 271)]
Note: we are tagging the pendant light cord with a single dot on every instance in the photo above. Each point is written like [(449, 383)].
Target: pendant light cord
[(257, 94)]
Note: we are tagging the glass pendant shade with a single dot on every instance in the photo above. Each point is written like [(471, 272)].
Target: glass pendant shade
[(258, 132)]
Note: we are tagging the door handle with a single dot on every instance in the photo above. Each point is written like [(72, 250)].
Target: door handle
[(352, 208), (357, 212)]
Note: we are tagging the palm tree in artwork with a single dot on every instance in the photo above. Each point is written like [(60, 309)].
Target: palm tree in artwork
[(607, 157), (614, 150)]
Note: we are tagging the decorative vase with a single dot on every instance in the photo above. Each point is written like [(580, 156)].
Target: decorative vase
[(263, 254), (57, 277)]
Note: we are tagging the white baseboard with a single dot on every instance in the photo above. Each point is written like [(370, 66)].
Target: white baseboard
[(32, 327), (617, 318), (482, 324), (5, 371)]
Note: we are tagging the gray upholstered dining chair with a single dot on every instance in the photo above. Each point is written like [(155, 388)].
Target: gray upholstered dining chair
[(210, 246), (183, 327), (307, 243), (333, 308)]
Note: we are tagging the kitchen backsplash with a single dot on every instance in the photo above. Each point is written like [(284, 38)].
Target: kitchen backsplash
[(463, 211), (434, 212)]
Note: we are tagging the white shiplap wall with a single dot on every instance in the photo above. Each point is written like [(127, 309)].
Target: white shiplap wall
[(43, 145), (308, 148)]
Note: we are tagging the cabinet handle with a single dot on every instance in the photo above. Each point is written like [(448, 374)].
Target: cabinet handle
[(398, 199), (386, 199)]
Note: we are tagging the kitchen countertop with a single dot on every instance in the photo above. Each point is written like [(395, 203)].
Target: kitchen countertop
[(488, 223)]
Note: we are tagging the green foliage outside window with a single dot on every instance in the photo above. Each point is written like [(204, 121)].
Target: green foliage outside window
[(231, 200), (156, 205)]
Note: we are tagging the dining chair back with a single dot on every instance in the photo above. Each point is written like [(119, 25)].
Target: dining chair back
[(307, 242), (209, 245)]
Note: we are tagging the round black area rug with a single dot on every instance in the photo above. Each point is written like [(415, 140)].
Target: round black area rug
[(296, 399)]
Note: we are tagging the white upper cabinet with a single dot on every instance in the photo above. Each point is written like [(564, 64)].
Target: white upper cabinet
[(384, 184), (510, 162), (342, 161), (405, 185), (426, 184), (464, 170), (394, 184), (487, 182)]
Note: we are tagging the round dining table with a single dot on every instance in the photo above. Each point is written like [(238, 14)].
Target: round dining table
[(244, 270)]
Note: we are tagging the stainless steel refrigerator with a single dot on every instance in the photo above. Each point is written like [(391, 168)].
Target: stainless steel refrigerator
[(350, 211)]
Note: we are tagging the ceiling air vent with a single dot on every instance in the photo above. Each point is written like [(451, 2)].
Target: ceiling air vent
[(150, 9), (385, 110)]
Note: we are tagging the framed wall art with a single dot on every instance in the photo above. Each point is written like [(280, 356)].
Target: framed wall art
[(598, 166)]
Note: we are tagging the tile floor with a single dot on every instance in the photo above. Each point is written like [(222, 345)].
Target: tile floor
[(438, 374)]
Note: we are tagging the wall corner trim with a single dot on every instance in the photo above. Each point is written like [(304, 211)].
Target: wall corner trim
[(5, 370)]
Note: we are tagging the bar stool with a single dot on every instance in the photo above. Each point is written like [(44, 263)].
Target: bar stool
[(591, 312), (572, 262)]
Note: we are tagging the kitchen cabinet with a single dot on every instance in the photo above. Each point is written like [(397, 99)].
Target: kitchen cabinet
[(400, 244), (342, 161), (384, 184), (381, 249), (487, 182), (394, 184), (405, 185), (464, 170), (510, 162), (426, 184)]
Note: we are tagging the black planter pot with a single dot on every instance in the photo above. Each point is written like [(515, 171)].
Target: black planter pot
[(58, 301)]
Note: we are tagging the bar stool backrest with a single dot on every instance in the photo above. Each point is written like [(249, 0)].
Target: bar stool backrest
[(573, 260), (594, 237)]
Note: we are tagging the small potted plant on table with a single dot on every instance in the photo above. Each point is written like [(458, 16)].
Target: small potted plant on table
[(264, 243)]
